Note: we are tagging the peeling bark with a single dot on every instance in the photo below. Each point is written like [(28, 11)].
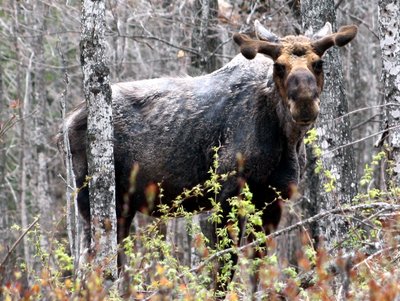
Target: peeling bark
[(100, 152)]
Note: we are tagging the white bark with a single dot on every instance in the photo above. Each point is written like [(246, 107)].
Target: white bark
[(100, 136), (389, 32), (73, 221), (331, 134), (24, 157)]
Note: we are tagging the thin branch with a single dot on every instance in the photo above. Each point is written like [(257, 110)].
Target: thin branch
[(374, 255), (359, 140), (135, 37), (14, 195), (359, 20), (219, 47), (253, 10), (312, 219), (371, 119), (364, 109), (8, 124), (17, 242)]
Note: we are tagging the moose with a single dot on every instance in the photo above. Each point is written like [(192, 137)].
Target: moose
[(260, 105)]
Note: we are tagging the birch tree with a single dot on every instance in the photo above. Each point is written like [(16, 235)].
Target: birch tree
[(100, 153), (389, 32), (3, 196), (333, 131), (23, 106)]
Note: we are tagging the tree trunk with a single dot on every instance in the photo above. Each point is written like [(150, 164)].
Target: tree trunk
[(338, 167), (100, 153), (204, 37), (73, 219), (4, 207), (332, 132), (23, 109), (43, 199), (389, 33)]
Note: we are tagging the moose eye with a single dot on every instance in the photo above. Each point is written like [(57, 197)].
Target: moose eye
[(279, 69), (318, 66)]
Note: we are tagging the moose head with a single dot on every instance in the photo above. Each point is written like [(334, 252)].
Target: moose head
[(298, 65)]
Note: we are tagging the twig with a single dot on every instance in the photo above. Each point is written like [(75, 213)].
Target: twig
[(367, 108), (17, 242), (295, 226), (253, 9), (333, 268), (13, 120), (372, 118), (219, 47), (135, 37), (361, 21), (374, 255), (306, 279), (359, 140)]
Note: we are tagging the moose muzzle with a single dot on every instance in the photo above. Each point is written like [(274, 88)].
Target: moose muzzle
[(303, 96)]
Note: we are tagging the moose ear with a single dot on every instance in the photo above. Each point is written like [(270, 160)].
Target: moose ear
[(249, 47), (341, 38)]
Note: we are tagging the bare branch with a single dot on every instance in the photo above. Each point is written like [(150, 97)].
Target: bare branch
[(356, 208), (374, 255), (364, 109), (359, 140), (354, 17), (16, 243), (135, 37)]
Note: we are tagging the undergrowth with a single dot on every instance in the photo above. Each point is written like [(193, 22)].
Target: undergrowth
[(365, 266)]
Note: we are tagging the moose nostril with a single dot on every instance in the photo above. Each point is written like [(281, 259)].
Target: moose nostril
[(301, 78), (311, 81)]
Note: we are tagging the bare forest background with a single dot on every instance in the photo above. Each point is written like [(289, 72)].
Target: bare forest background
[(40, 69)]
